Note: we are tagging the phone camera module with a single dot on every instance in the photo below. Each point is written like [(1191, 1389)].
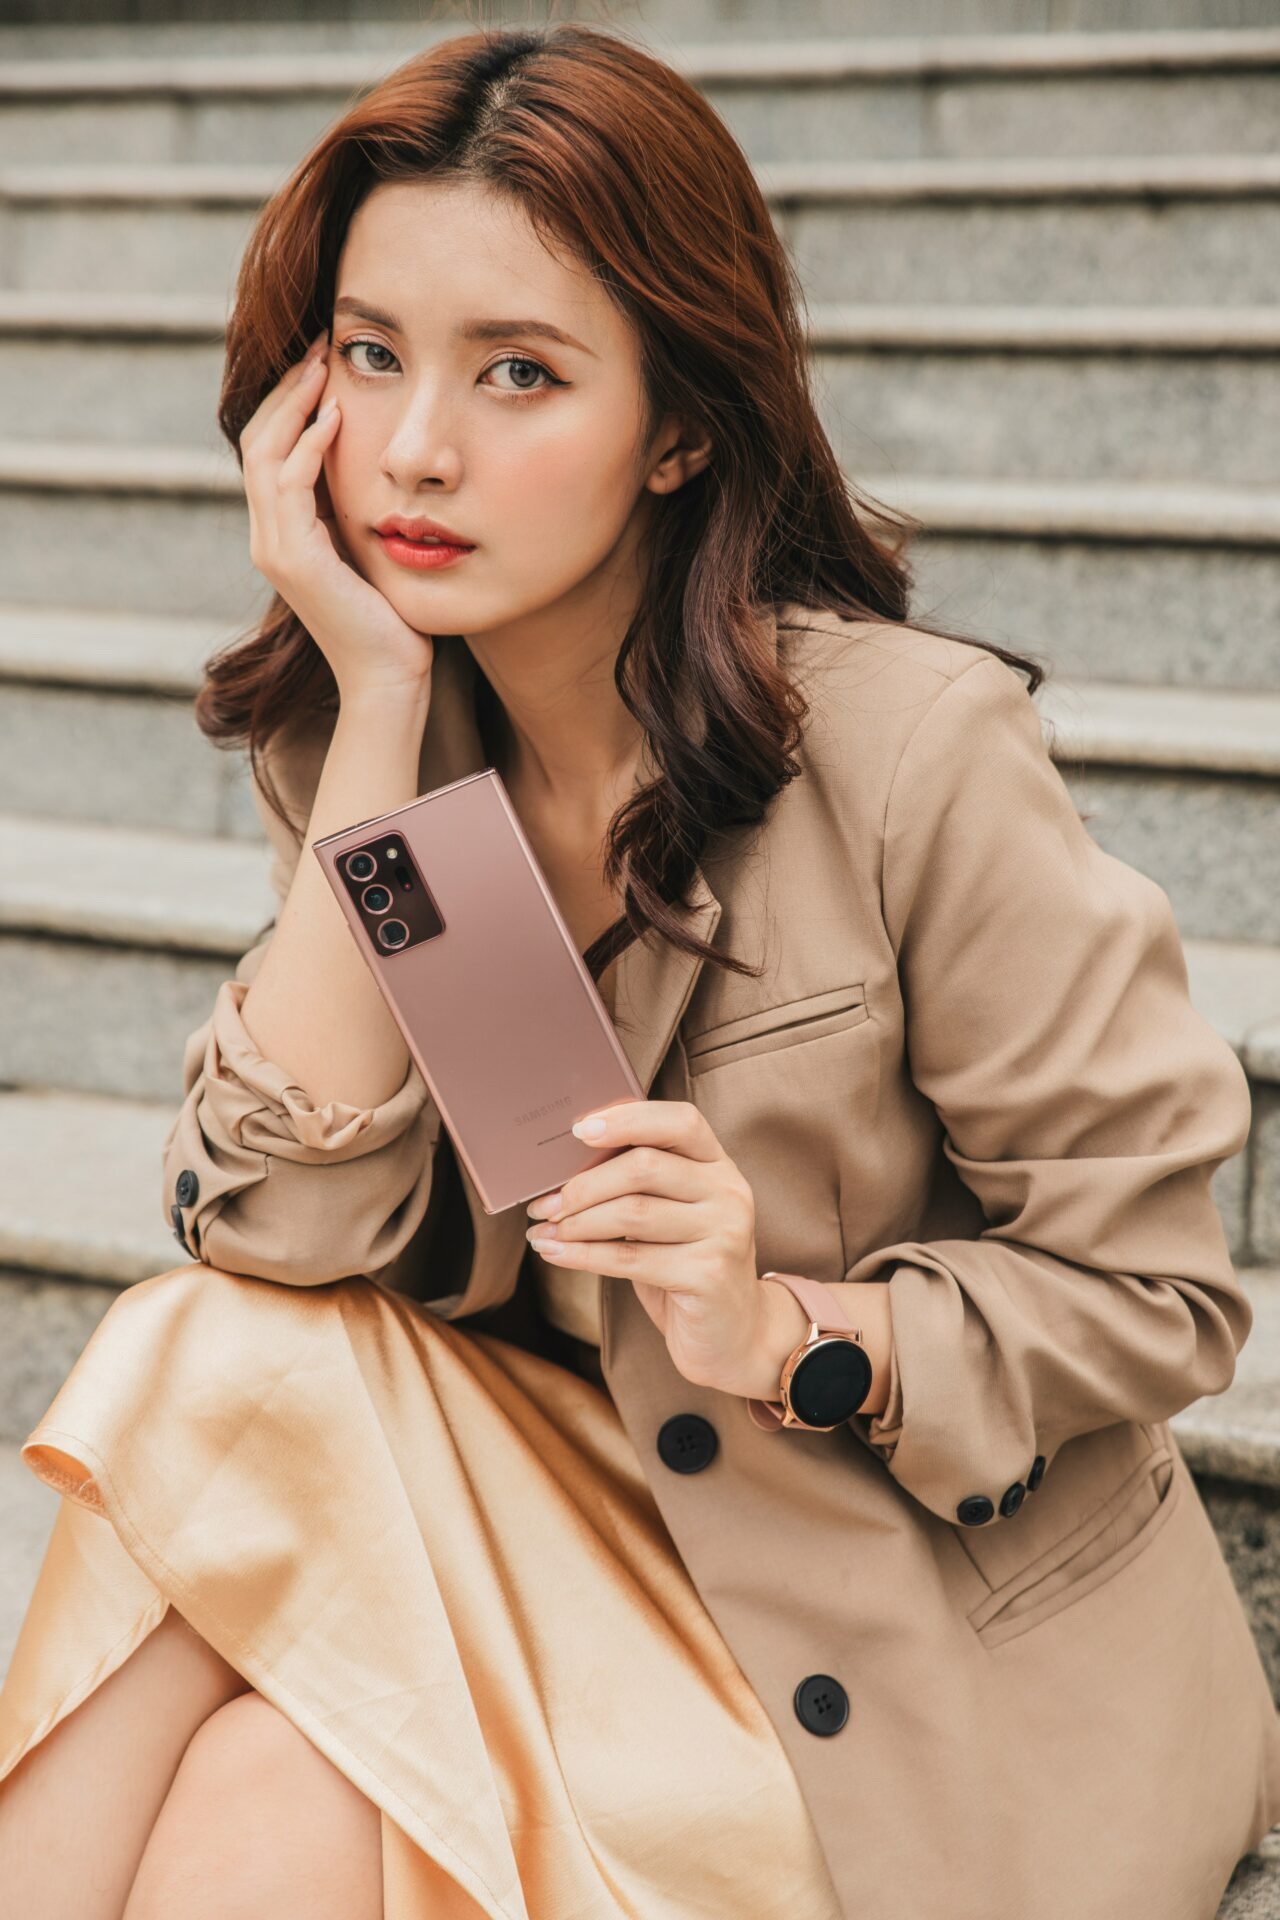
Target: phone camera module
[(383, 887)]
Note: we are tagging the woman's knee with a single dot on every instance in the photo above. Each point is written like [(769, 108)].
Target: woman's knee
[(259, 1820)]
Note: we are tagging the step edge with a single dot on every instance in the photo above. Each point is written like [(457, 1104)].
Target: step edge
[(1152, 52)]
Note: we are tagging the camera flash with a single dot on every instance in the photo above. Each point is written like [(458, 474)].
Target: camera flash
[(393, 853)]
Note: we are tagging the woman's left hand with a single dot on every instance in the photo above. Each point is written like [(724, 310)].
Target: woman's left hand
[(671, 1213)]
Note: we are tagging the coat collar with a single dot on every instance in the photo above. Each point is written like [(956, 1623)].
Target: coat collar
[(654, 981)]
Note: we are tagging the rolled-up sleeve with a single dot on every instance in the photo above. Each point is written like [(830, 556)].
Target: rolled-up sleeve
[(1085, 1102), (258, 1179)]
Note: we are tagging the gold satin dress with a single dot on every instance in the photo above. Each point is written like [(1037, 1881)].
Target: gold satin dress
[(435, 1551)]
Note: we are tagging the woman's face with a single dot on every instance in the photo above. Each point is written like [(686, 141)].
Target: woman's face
[(526, 445)]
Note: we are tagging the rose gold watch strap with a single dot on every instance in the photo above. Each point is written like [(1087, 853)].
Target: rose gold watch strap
[(767, 1414), (820, 1305)]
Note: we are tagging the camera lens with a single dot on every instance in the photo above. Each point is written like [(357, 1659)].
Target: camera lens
[(393, 933), (361, 866), (376, 898)]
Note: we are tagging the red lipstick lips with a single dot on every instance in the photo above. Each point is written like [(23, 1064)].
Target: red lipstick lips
[(414, 541), (417, 528)]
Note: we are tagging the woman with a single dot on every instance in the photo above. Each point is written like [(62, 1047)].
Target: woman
[(422, 1563)]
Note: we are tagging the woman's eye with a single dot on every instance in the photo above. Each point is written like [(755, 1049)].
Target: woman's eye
[(349, 347), (525, 366)]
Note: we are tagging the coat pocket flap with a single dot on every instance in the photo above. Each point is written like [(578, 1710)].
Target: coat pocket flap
[(813, 1007)]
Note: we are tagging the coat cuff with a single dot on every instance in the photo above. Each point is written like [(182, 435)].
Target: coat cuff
[(973, 1433), (882, 1430), (244, 1119), (260, 1107)]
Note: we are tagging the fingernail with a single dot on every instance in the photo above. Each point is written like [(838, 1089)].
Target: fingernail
[(590, 1129), (545, 1243), (329, 408)]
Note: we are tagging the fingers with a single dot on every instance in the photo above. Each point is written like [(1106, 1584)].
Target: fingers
[(298, 475), (289, 396), (282, 458), (631, 1216), (277, 435), (638, 1170), (675, 1124)]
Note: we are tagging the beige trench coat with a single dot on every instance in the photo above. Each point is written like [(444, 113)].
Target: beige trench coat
[(970, 1066)]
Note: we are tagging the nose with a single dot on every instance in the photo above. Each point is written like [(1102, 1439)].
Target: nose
[(423, 447)]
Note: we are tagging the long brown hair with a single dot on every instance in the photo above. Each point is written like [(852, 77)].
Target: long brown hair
[(611, 152)]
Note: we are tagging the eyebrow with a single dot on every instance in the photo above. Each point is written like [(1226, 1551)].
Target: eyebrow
[(469, 329)]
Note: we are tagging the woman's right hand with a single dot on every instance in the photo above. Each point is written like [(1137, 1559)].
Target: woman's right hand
[(369, 647)]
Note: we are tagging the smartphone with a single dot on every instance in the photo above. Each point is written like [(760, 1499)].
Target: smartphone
[(449, 907)]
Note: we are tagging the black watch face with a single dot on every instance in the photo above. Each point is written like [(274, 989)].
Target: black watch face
[(830, 1383)]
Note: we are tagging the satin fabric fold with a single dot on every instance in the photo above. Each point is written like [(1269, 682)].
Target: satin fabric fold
[(436, 1552)]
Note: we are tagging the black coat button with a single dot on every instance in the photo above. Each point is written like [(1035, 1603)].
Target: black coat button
[(687, 1442), (1036, 1474), (1012, 1499), (179, 1231), (975, 1510), (821, 1704), (187, 1188)]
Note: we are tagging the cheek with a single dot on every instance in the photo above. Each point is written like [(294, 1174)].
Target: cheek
[(577, 488)]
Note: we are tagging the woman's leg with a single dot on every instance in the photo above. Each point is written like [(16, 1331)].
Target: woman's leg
[(259, 1825), (77, 1811)]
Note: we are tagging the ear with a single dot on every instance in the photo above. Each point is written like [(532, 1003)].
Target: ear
[(686, 452)]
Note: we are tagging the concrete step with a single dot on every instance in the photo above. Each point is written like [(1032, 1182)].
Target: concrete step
[(1161, 729), (1071, 569), (45, 1320), (130, 759), (116, 652), (113, 941), (180, 509), (1174, 230), (1254, 1889), (110, 695), (82, 1197), (178, 892), (1179, 230), (1154, 393), (1085, 394), (139, 760), (980, 95), (87, 28)]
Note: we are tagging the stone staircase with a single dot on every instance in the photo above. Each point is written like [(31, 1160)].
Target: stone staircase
[(1042, 270)]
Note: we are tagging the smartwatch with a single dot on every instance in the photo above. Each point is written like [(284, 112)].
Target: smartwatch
[(828, 1376)]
